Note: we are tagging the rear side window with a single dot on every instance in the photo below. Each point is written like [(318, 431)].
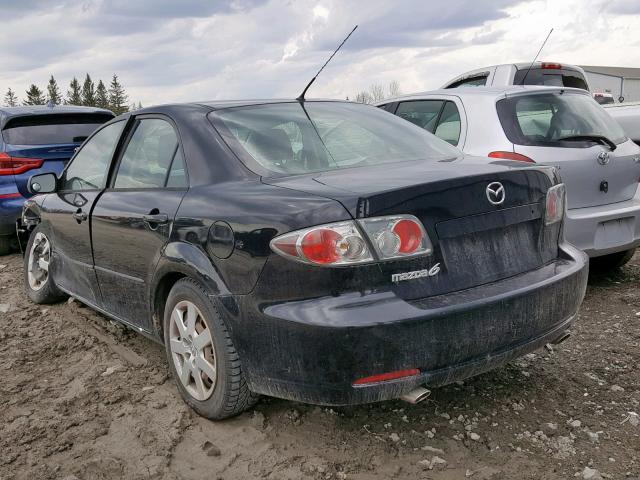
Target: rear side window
[(555, 119), (147, 159), (389, 107), (178, 173), (423, 113), (52, 129), (552, 77), (448, 128), (477, 81)]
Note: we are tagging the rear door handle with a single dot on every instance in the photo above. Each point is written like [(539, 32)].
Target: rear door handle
[(80, 216), (157, 219)]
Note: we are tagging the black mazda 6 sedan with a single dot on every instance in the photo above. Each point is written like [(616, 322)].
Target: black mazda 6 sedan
[(319, 251)]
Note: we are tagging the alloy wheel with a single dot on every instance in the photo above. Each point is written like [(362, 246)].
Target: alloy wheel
[(39, 261), (192, 350)]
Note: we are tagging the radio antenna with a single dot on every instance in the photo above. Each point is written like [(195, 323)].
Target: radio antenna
[(301, 97), (536, 57)]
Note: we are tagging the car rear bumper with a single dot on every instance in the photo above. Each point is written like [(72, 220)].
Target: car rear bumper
[(313, 350), (604, 229)]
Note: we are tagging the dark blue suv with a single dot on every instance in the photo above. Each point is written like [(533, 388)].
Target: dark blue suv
[(37, 139)]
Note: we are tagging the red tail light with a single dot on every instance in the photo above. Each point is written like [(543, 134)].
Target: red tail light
[(17, 165), (410, 234), (332, 244), (321, 245), (551, 66), (343, 243), (10, 195), (385, 377), (511, 156)]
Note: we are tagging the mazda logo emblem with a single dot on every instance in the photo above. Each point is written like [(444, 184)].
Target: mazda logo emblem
[(603, 158), (495, 193)]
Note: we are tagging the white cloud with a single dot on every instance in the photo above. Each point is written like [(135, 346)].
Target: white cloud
[(165, 51)]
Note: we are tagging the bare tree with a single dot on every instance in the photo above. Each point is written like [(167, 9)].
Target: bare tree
[(363, 97), (376, 92), (394, 89)]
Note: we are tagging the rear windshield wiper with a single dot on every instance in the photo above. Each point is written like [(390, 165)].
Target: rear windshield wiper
[(596, 138)]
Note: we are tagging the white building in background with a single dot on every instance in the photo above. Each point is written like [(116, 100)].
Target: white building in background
[(623, 83)]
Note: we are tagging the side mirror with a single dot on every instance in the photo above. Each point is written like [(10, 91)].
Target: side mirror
[(43, 183)]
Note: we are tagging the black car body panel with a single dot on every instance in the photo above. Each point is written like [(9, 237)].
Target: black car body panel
[(507, 283)]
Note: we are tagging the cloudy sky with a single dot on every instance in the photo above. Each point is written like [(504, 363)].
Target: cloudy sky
[(167, 51)]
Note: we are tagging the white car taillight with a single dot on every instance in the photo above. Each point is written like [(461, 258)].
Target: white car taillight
[(342, 243), (555, 204)]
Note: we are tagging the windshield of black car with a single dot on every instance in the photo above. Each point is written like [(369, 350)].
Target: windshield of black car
[(298, 138), (546, 119), (54, 129)]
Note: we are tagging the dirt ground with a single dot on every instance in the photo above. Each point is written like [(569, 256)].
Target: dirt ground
[(82, 398)]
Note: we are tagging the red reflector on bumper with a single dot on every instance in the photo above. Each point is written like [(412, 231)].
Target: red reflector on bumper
[(10, 195), (384, 377)]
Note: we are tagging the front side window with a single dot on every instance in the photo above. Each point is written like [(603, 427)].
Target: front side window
[(89, 168), (556, 119), (423, 113), (146, 162), (295, 138)]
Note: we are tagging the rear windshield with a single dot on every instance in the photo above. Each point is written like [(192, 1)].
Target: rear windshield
[(552, 119), (551, 77), (295, 138), (52, 129)]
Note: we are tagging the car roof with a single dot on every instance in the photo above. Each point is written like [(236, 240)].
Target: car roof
[(496, 92), (210, 105), (7, 113), (219, 104)]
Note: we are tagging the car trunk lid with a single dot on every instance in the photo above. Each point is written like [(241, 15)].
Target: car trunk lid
[(594, 175), (475, 241)]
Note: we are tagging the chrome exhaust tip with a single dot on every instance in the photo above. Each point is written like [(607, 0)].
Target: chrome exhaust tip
[(561, 338), (416, 395)]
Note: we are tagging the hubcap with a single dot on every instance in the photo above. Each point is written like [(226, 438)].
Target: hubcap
[(192, 350), (39, 259)]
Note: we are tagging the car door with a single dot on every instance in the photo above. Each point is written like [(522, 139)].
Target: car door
[(67, 212), (132, 220)]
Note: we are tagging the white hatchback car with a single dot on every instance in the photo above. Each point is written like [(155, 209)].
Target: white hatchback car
[(559, 126)]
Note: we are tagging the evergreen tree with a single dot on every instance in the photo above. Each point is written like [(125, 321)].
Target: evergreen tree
[(10, 99), (53, 92), (102, 98), (88, 92), (35, 96), (117, 97), (74, 95), (139, 105)]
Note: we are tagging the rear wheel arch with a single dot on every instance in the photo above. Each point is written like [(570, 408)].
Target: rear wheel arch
[(181, 260)]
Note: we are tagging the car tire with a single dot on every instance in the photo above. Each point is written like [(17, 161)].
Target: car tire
[(6, 244), (192, 353), (612, 261), (38, 282)]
